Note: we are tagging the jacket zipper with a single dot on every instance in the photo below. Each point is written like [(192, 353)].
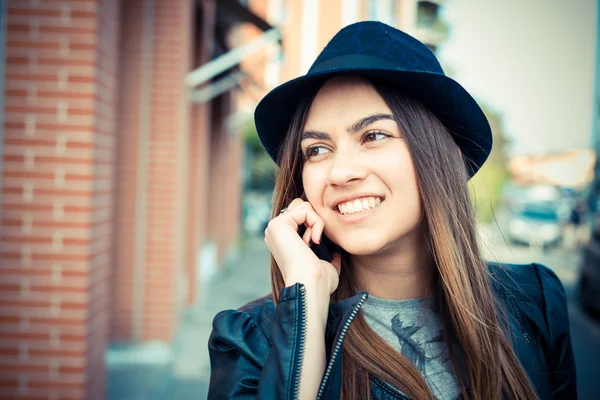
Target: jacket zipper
[(301, 343), (525, 335), (338, 345)]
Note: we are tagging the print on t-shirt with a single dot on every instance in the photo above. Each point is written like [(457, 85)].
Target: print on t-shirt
[(426, 350)]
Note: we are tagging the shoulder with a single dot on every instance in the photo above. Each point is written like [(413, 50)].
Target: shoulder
[(253, 317), (261, 311), (535, 290), (533, 282)]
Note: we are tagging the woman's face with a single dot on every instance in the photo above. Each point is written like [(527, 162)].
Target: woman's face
[(358, 173)]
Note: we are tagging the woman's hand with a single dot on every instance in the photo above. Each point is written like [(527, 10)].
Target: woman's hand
[(296, 261), (298, 264)]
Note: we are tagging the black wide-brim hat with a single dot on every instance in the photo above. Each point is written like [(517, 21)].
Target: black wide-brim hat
[(374, 49)]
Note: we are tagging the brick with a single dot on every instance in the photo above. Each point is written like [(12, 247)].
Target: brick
[(76, 95), (52, 142), (16, 28), (70, 63), (46, 175), (10, 288), (58, 289), (30, 109), (71, 370), (60, 3), (55, 385), (58, 322), (50, 224), (31, 77), (31, 99), (50, 161), (50, 122), (82, 46), (11, 396), (72, 30), (71, 305), (23, 368), (27, 304), (83, 14), (48, 255), (8, 351), (53, 85), (45, 145), (32, 12)]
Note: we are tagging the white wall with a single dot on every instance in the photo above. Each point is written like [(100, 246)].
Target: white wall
[(531, 59)]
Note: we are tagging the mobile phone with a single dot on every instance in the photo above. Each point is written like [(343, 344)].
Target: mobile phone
[(323, 250)]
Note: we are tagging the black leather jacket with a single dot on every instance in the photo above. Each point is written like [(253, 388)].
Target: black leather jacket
[(256, 351)]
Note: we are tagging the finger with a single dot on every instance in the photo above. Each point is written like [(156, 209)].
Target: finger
[(302, 215), (317, 231), (307, 235), (295, 203)]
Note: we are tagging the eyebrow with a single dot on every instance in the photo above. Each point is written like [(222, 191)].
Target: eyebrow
[(355, 127)]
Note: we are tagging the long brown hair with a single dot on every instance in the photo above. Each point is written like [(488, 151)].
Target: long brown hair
[(471, 314)]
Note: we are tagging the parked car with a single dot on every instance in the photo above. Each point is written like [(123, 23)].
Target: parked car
[(589, 278), (535, 225)]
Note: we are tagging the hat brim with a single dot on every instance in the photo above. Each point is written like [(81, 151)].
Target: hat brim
[(442, 95)]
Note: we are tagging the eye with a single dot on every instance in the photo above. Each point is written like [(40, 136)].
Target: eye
[(374, 136), (314, 151)]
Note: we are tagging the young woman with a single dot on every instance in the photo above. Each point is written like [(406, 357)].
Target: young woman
[(375, 147)]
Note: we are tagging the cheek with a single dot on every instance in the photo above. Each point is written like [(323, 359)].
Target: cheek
[(313, 184), (400, 177), (398, 169)]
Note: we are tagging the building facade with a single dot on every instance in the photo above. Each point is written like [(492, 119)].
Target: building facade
[(119, 168), (308, 25), (120, 159)]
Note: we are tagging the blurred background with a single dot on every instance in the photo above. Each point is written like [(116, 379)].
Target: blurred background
[(135, 192)]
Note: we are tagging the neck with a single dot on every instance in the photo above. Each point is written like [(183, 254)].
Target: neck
[(403, 272)]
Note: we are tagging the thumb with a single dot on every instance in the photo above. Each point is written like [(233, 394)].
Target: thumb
[(337, 262)]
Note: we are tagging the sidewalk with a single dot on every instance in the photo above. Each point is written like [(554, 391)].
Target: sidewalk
[(182, 370)]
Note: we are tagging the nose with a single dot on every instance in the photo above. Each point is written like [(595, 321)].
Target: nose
[(346, 169)]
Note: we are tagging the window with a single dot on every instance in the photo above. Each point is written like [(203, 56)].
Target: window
[(427, 14)]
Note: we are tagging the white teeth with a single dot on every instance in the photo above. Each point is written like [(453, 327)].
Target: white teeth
[(359, 205), (350, 207)]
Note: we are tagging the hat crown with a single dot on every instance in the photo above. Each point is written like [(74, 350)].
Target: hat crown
[(380, 52), (375, 41)]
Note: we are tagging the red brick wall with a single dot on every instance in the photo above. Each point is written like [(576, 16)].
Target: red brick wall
[(225, 177), (199, 153), (150, 265), (127, 170), (168, 170), (57, 198)]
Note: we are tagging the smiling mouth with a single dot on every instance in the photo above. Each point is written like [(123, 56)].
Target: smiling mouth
[(359, 206)]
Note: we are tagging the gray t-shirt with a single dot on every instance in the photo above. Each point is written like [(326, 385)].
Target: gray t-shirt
[(414, 329)]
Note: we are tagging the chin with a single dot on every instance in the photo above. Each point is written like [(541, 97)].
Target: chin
[(361, 247)]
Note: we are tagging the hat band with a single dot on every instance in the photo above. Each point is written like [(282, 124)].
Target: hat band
[(351, 62)]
